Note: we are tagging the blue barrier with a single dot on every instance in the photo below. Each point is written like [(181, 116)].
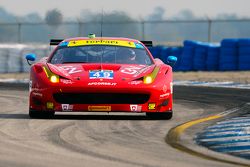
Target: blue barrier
[(244, 54), (164, 53), (155, 51), (213, 54), (186, 58), (200, 56), (228, 55)]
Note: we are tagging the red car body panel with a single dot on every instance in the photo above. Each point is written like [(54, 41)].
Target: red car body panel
[(77, 92)]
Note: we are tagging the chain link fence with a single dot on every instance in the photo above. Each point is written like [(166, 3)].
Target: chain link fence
[(18, 39), (161, 32)]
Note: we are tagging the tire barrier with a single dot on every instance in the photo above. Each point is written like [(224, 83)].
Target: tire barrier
[(244, 54), (12, 57), (200, 56), (213, 55), (228, 55), (186, 58), (171, 51)]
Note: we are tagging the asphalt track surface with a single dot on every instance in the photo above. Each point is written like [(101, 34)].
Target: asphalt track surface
[(106, 140)]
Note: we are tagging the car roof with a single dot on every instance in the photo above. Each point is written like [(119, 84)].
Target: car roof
[(102, 38)]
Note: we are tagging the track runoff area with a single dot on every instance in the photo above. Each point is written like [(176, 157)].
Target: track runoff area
[(227, 133)]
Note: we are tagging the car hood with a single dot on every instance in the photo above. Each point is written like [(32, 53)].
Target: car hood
[(85, 71)]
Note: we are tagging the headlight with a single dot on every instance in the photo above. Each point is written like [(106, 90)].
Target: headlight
[(54, 78), (148, 79), (51, 76)]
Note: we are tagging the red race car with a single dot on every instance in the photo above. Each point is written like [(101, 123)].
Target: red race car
[(100, 74)]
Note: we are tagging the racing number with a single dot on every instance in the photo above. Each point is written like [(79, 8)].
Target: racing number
[(130, 70), (96, 75), (106, 74)]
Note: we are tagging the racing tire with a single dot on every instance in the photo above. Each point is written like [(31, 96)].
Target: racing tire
[(41, 114), (160, 115)]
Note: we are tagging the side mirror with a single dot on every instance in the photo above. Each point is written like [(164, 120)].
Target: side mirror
[(30, 57), (171, 60)]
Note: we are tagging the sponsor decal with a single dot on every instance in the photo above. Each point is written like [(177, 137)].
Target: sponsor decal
[(138, 45), (67, 107), (66, 81), (171, 87), (37, 94), (103, 74), (65, 43), (164, 95), (135, 82), (142, 70), (102, 42), (99, 108), (135, 108), (102, 83), (30, 86), (164, 88), (151, 106), (57, 69), (50, 105), (71, 69), (130, 70)]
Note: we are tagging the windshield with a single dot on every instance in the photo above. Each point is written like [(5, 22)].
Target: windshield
[(101, 54)]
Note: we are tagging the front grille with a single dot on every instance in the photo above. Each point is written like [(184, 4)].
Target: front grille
[(101, 98)]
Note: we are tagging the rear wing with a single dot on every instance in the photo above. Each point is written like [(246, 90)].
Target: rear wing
[(55, 41), (147, 43)]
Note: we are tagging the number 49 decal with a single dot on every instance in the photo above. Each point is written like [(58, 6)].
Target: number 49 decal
[(105, 74)]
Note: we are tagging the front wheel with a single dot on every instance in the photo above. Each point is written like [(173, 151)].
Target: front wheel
[(160, 115), (41, 114)]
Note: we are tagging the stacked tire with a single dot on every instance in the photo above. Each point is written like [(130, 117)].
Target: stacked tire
[(200, 56), (213, 55), (244, 54), (186, 58), (228, 60)]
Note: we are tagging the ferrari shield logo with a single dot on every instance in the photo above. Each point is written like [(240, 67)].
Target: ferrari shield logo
[(135, 108)]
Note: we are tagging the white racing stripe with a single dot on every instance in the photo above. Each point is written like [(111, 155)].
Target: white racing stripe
[(231, 136)]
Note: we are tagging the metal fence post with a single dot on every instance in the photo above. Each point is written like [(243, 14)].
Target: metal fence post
[(209, 30), (143, 29), (19, 40), (79, 28)]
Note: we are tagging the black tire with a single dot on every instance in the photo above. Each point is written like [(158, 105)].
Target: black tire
[(160, 115), (41, 114)]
